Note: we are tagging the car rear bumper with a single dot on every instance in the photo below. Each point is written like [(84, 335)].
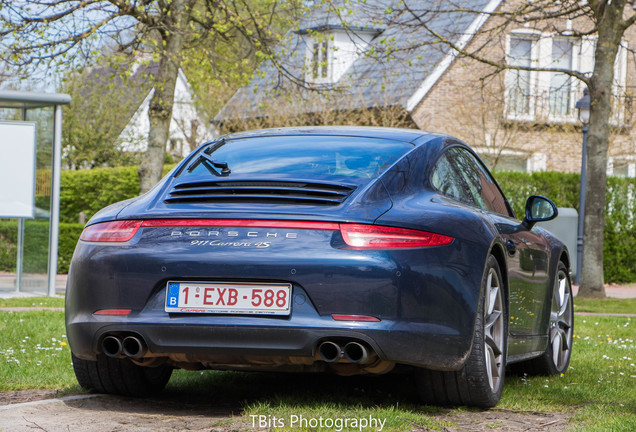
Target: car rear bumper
[(425, 300), (421, 345)]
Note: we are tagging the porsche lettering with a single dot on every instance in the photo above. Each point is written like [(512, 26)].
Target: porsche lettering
[(234, 234)]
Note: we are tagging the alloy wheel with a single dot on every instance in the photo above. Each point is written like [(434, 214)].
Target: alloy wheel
[(493, 329), (561, 320)]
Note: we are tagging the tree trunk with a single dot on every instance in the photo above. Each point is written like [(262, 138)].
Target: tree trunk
[(160, 112), (608, 17)]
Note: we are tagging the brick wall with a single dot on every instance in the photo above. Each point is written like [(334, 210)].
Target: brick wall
[(468, 102)]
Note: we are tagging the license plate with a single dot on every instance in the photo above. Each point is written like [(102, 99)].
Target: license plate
[(228, 298)]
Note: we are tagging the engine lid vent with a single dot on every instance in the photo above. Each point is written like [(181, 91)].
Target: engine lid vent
[(259, 192)]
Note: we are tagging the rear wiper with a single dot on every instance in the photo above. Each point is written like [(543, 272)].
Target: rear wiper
[(210, 164)]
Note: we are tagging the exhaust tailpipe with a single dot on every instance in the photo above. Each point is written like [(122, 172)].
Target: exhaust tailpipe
[(133, 347), (111, 346), (356, 353), (330, 351)]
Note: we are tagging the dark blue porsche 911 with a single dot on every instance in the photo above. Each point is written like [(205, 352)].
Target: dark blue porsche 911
[(339, 249)]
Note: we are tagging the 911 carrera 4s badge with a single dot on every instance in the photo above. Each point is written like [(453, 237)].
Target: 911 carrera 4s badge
[(233, 238), (228, 298), (238, 244)]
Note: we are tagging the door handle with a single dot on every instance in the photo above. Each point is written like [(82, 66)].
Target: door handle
[(512, 248)]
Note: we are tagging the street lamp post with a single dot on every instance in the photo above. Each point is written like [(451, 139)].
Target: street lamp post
[(583, 105)]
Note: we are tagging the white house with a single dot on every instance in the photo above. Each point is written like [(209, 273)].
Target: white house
[(188, 129)]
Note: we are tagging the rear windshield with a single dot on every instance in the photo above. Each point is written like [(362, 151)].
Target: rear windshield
[(304, 155)]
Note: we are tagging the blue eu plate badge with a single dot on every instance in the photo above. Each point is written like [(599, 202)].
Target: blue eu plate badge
[(173, 295)]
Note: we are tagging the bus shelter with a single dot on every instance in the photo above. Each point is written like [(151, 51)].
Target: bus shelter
[(30, 164)]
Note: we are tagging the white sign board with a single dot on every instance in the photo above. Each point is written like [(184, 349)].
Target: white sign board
[(17, 169)]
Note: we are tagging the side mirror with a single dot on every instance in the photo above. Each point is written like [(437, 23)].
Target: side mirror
[(539, 209)]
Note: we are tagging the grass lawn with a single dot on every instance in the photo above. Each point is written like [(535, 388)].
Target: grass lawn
[(608, 305), (599, 389), (32, 302)]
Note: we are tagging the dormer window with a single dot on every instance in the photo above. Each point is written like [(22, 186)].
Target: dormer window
[(320, 60), (331, 50)]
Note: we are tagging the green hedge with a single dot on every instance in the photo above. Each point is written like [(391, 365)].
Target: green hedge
[(90, 190), (619, 259), (36, 243)]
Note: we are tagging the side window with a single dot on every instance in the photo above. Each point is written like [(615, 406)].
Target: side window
[(449, 181), (459, 175), (485, 192)]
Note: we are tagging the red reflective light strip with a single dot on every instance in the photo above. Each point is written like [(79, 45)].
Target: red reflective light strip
[(113, 312), (253, 223), (362, 318), (359, 236), (356, 236), (117, 231)]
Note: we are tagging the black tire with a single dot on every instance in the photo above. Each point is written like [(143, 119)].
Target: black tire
[(120, 376), (556, 357), (480, 382)]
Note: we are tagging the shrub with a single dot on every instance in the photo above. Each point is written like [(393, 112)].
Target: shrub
[(619, 260), (36, 242), (90, 190)]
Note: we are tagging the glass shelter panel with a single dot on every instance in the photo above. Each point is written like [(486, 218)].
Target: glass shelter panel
[(36, 231), (24, 243)]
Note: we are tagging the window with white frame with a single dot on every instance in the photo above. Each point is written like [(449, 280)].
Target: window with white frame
[(551, 96), (519, 84), (506, 162), (622, 166), (320, 60), (512, 160), (330, 53), (561, 83)]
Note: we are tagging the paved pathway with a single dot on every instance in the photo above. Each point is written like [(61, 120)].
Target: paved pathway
[(616, 291)]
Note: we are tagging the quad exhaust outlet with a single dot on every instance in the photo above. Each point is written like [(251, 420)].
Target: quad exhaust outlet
[(131, 346), (111, 346), (134, 348), (356, 353), (353, 352)]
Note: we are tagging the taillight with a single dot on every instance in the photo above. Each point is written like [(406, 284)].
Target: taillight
[(118, 231), (359, 236), (356, 236)]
